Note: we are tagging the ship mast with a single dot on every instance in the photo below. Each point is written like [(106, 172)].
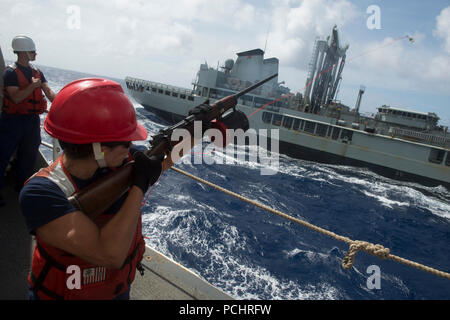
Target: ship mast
[(325, 72)]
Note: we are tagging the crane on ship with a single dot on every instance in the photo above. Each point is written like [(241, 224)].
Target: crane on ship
[(324, 75)]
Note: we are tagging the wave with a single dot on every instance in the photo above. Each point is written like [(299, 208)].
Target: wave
[(251, 254)]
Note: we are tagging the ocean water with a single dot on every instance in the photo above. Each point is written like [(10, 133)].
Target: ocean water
[(250, 253)]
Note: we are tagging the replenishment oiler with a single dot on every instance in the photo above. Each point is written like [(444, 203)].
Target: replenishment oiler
[(398, 143)]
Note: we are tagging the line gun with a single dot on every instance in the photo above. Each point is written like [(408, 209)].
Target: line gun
[(100, 195)]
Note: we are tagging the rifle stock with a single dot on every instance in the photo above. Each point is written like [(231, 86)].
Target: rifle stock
[(100, 195)]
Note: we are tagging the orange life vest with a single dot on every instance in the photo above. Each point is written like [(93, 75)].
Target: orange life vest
[(35, 103), (49, 274)]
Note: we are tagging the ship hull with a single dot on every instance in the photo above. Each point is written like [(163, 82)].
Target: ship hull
[(318, 138), (304, 153), (312, 154), (170, 117)]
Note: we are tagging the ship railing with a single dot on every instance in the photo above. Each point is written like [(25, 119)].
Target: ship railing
[(424, 137), (54, 146), (139, 84)]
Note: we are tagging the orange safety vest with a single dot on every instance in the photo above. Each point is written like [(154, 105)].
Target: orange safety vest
[(49, 272), (35, 103)]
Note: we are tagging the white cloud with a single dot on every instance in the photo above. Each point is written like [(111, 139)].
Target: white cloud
[(443, 28), (161, 30), (245, 16), (296, 25), (398, 64), (440, 71), (127, 25), (166, 41)]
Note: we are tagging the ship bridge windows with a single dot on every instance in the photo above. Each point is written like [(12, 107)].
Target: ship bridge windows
[(447, 161), (190, 98), (436, 156), (223, 93), (309, 127), (283, 103), (287, 122), (167, 92), (276, 121), (321, 130), (247, 100), (336, 133), (174, 94), (329, 131), (213, 93), (154, 89), (296, 125), (182, 96), (405, 114), (267, 117), (346, 135), (259, 102)]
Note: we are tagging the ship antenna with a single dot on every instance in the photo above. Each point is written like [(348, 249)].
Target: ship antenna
[(267, 37)]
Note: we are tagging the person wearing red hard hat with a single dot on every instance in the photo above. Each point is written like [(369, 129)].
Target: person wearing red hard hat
[(23, 101), (95, 123)]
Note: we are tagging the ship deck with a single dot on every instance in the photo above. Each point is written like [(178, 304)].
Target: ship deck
[(15, 247), (163, 279)]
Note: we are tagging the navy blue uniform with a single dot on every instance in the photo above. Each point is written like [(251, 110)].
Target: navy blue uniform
[(42, 201), (21, 132)]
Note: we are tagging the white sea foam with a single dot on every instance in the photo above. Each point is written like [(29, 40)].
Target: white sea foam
[(236, 275), (384, 200), (253, 279), (378, 187)]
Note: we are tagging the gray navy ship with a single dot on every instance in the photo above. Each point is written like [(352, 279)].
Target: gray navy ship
[(398, 143)]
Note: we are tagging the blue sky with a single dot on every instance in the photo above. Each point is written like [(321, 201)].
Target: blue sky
[(404, 84), (166, 41), (399, 18)]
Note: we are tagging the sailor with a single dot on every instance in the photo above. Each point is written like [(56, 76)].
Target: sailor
[(76, 257), (23, 101)]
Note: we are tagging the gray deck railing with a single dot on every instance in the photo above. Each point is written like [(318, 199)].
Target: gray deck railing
[(55, 150), (441, 141)]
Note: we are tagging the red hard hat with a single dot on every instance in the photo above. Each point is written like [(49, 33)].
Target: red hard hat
[(93, 110)]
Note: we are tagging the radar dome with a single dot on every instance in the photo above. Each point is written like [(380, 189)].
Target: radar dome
[(229, 64)]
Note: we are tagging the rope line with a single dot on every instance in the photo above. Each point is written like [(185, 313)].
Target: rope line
[(354, 245)]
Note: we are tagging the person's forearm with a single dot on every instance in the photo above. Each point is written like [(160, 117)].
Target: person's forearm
[(21, 95), (49, 93), (117, 235)]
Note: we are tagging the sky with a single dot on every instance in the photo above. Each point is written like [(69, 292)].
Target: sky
[(166, 41)]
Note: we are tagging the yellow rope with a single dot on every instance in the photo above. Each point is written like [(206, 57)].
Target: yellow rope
[(354, 245)]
